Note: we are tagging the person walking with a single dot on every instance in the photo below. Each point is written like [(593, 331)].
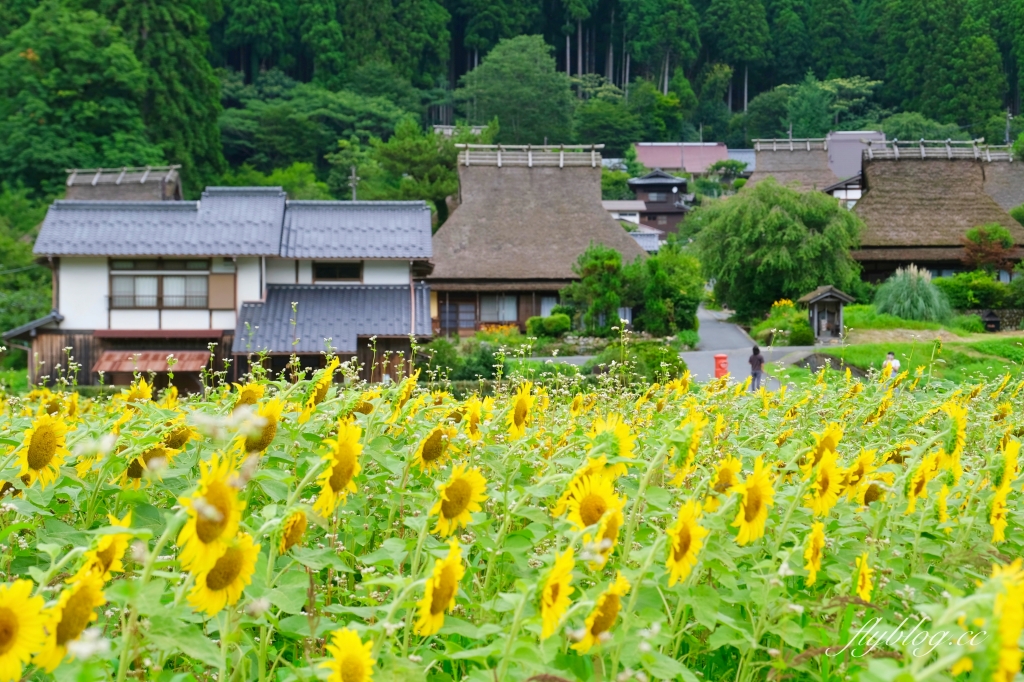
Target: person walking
[(756, 369)]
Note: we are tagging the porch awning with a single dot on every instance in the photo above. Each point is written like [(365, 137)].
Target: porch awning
[(151, 360)]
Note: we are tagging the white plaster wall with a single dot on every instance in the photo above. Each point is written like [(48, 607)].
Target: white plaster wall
[(385, 272), (134, 319), (186, 319), (280, 271), (247, 283), (83, 287), (223, 319), (305, 272)]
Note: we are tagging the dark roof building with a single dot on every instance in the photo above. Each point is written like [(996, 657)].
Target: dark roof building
[(665, 199), (147, 183)]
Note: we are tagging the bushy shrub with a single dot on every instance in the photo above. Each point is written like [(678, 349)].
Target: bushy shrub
[(971, 290), (967, 323), (441, 356), (783, 319), (1017, 213), (535, 326), (471, 360), (801, 334), (555, 325), (911, 294), (651, 360), (566, 310), (687, 338)]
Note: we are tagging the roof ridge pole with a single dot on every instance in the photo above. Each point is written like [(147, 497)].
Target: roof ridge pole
[(896, 148), (529, 156), (791, 144), (145, 175), (71, 178), (593, 157), (96, 178), (949, 150), (808, 144), (124, 169), (499, 156), (561, 157), (974, 145), (921, 143)]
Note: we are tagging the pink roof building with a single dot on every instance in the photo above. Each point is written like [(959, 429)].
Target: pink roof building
[(689, 157)]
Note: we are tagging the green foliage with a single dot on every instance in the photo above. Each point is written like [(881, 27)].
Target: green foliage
[(911, 294), (598, 293), (658, 116), (609, 122), (1017, 213), (801, 334), (298, 180), (833, 36), (971, 290), (652, 360), (535, 326), (971, 324), (24, 284), (471, 359), (615, 185), (986, 247), (424, 162), (791, 44), (71, 97), (552, 326), (736, 31), (672, 288), (784, 326), (518, 84), (990, 233), (915, 126), (770, 242)]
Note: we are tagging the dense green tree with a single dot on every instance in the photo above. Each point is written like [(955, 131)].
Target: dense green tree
[(518, 84), (599, 291), (768, 113), (712, 114), (256, 27), (298, 180), (790, 45), (660, 117), (809, 109), (915, 126), (770, 242), (672, 286), (609, 122), (833, 32), (425, 162), (24, 284), (977, 84), (662, 33), (15, 13), (490, 21), (324, 40), (736, 32), (71, 97)]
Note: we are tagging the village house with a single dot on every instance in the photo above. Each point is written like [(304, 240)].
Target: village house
[(242, 271), (831, 164), (666, 202), (692, 158), (524, 217)]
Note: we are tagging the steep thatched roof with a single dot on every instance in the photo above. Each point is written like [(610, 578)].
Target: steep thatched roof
[(1004, 182), (926, 203), (522, 223), (802, 169)]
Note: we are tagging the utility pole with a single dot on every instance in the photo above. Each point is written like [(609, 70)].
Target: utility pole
[(353, 181)]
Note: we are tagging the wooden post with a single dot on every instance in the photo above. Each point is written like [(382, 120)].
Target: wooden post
[(842, 329)]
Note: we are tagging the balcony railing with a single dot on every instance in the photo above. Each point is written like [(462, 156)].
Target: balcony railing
[(172, 302)]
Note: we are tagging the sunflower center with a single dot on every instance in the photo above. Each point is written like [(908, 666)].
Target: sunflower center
[(519, 417), (606, 614), (824, 482), (352, 669), (342, 471), (611, 529), (553, 591), (683, 542), (592, 508), (444, 590), (106, 556), (75, 616), (136, 468), (321, 392), (725, 481), (246, 397), (753, 505), (42, 448), (457, 496), (433, 447), (260, 441), (226, 570), (176, 438), (873, 493), (53, 407), (209, 526), (296, 528), (8, 629)]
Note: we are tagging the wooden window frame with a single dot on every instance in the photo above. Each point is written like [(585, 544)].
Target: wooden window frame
[(159, 292), (358, 280)]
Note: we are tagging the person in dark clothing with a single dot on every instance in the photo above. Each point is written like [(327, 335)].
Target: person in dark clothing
[(756, 368)]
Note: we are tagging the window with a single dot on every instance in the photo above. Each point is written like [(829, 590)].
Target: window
[(337, 272), (159, 264), (663, 220), (499, 308), (457, 316), (657, 196), (547, 304), (153, 291)]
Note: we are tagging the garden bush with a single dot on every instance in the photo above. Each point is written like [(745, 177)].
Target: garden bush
[(784, 323), (535, 326), (801, 334), (967, 323), (910, 294), (973, 290), (556, 325), (470, 360), (313, 530), (647, 360)]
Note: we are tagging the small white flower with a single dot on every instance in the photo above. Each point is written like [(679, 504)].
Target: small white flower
[(785, 571)]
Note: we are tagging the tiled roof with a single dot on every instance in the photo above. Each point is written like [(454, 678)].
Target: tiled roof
[(341, 313), (227, 221), (51, 317), (356, 229), (692, 157), (657, 177)]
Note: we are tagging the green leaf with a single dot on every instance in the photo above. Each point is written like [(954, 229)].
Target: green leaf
[(705, 602)]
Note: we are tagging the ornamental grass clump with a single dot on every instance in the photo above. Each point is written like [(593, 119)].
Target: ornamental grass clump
[(910, 294)]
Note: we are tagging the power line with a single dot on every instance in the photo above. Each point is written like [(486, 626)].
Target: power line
[(14, 270)]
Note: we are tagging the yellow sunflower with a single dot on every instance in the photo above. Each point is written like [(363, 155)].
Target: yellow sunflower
[(248, 394), (592, 496), (942, 508), (270, 412), (554, 597), (923, 474), (169, 400), (139, 392), (21, 628), (66, 620), (824, 441), (459, 497), (43, 450), (433, 450), (214, 512), (222, 583), (441, 589), (864, 573), (997, 516), (604, 615), (694, 424), (725, 479), (292, 530), (178, 435), (757, 495), (404, 393), (858, 472), (519, 416), (350, 659), (342, 458), (613, 433), (137, 468), (476, 411), (105, 558), (873, 488), (606, 537), (686, 537), (826, 484), (318, 390), (813, 551), (365, 403), (1011, 454)]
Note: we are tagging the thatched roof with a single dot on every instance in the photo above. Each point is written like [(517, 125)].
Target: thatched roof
[(803, 169), (522, 223), (1004, 182), (927, 203)]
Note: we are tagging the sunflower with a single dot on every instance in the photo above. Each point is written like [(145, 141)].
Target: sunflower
[(169, 400), (178, 435), (519, 416), (270, 412), (757, 493), (139, 392), (1011, 454), (67, 619), (441, 588), (214, 512), (554, 597), (857, 472), (21, 628), (459, 497), (726, 477), (106, 557), (136, 469), (43, 450), (612, 434), (351, 658), (864, 573), (874, 488), (405, 391), (248, 394), (997, 516), (694, 424), (918, 485), (592, 496), (826, 484), (686, 537), (593, 466), (292, 530), (433, 450), (813, 551), (942, 507), (1009, 612), (222, 583), (365, 402), (342, 458), (318, 390), (604, 615), (827, 440), (606, 537), (957, 439), (475, 412)]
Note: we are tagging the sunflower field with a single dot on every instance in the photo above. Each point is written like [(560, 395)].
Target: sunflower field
[(316, 527)]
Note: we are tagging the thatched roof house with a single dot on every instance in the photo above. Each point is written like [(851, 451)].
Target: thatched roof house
[(525, 215), (146, 183), (801, 164), (917, 210), (1004, 182)]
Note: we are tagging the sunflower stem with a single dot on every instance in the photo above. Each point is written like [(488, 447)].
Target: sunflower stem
[(635, 512), (633, 594), (516, 621), (781, 535)]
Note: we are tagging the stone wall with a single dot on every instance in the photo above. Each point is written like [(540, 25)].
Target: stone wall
[(1009, 320)]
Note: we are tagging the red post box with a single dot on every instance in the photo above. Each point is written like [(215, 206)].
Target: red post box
[(721, 365)]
